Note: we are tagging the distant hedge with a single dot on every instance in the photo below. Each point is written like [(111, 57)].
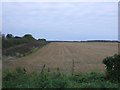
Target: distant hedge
[(9, 40), (20, 46)]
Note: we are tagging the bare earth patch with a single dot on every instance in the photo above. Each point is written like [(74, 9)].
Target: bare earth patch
[(87, 56)]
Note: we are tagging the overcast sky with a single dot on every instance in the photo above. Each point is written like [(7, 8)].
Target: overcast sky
[(62, 21)]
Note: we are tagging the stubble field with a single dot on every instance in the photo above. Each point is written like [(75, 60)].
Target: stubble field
[(87, 57)]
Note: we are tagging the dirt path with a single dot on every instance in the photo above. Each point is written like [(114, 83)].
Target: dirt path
[(88, 56)]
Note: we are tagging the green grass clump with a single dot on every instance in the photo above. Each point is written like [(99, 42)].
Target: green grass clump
[(21, 79)]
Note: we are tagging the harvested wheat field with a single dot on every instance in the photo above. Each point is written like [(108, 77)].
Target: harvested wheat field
[(87, 56)]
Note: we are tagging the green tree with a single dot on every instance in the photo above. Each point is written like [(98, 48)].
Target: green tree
[(28, 36), (9, 36)]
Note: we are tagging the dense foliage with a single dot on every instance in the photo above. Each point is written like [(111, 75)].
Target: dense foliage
[(112, 67), (20, 46), (9, 40), (21, 79)]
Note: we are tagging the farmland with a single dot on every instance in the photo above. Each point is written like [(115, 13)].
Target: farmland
[(87, 57)]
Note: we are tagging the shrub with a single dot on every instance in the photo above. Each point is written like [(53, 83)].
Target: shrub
[(112, 67)]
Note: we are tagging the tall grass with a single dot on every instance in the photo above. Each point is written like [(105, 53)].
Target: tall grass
[(73, 65), (20, 79)]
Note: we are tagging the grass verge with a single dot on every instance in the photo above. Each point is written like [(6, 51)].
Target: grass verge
[(21, 79)]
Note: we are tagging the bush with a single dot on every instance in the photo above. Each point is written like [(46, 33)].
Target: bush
[(112, 67)]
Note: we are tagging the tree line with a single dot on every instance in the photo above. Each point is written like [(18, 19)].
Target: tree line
[(9, 40)]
